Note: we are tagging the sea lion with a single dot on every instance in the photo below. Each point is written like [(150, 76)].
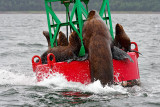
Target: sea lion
[(98, 44), (46, 34), (122, 40), (62, 40), (63, 53)]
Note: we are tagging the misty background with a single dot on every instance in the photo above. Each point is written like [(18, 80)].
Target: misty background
[(115, 5)]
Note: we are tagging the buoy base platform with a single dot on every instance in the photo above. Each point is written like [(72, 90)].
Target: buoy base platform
[(125, 72)]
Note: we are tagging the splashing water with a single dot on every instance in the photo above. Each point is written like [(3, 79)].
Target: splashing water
[(59, 81), (12, 78)]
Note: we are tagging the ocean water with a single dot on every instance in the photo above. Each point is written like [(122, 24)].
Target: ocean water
[(21, 38)]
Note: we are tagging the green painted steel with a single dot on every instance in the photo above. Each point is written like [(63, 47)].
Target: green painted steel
[(80, 12), (103, 11)]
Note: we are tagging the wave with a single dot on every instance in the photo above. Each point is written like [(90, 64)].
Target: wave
[(12, 78), (58, 82)]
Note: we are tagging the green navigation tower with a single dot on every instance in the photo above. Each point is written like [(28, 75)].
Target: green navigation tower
[(79, 13)]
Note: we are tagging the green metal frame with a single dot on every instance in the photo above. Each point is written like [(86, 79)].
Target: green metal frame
[(103, 11), (79, 11)]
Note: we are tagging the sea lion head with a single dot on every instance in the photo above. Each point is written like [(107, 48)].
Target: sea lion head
[(119, 29), (46, 34), (62, 40), (75, 42), (93, 14), (74, 39)]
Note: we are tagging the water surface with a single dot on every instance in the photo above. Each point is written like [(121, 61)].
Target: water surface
[(21, 38)]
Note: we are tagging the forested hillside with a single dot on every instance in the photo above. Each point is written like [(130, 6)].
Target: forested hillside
[(116, 5)]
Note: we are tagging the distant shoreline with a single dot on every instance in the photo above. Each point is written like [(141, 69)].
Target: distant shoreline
[(61, 12)]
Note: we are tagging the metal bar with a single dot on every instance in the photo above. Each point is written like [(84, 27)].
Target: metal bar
[(86, 3), (74, 28), (84, 11), (72, 13), (67, 15), (55, 33), (79, 12), (75, 22), (105, 16), (101, 12), (65, 24), (54, 15), (76, 14), (110, 20), (69, 20), (102, 8), (49, 26)]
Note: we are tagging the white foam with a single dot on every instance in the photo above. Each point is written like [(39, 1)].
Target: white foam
[(61, 83), (11, 78), (97, 88), (58, 81)]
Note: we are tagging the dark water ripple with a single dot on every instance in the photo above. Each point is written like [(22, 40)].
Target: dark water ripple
[(9, 92), (21, 37), (30, 45)]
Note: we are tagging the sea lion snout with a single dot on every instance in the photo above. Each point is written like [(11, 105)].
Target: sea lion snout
[(118, 26), (45, 33), (92, 13), (60, 33)]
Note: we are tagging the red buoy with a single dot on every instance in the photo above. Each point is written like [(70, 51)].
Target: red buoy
[(125, 72)]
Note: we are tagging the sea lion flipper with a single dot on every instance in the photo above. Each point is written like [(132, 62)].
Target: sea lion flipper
[(135, 51), (83, 58), (119, 54), (72, 59), (69, 60)]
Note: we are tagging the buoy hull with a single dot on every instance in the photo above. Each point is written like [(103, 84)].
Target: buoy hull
[(125, 72)]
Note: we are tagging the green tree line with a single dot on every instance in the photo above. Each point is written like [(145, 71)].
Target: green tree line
[(116, 5)]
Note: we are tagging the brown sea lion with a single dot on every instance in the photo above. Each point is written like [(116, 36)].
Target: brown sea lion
[(98, 44), (46, 34), (63, 53), (122, 40), (62, 40)]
